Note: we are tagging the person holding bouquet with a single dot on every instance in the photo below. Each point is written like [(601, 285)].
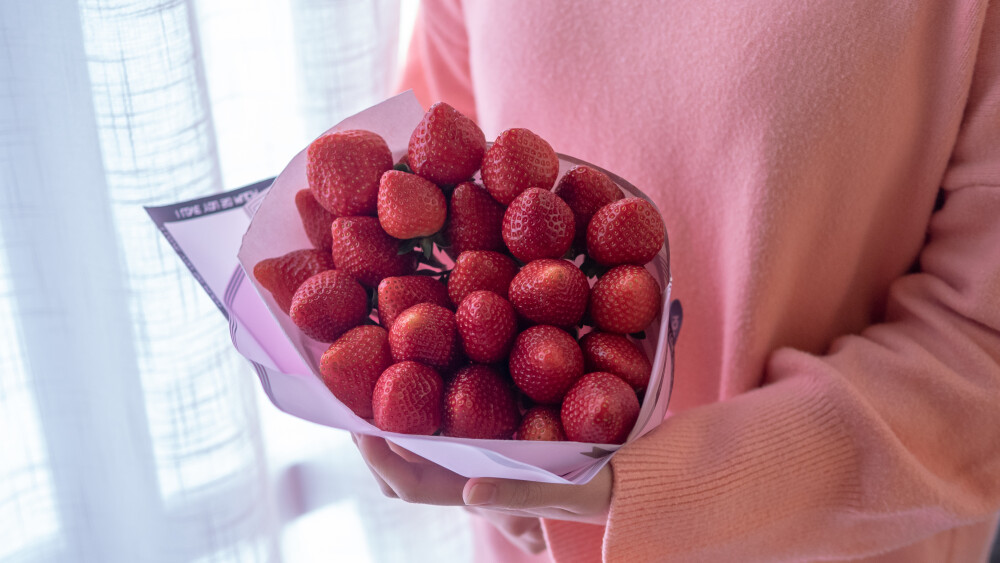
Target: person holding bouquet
[(829, 173)]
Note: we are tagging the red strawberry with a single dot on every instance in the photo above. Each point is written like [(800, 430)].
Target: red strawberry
[(446, 147), (284, 274), (343, 170), (480, 269), (328, 304), (585, 190), (545, 362), (315, 219), (407, 399), (541, 422), (486, 326), (551, 292), (398, 294), (479, 403), (424, 333), (538, 224), (600, 408), (351, 366), (628, 231), (625, 300), (614, 353), (410, 206), (474, 220), (518, 160), (362, 249)]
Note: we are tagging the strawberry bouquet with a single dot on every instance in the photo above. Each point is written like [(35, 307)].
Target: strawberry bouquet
[(496, 308)]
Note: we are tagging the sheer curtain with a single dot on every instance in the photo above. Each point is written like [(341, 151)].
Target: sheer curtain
[(129, 428)]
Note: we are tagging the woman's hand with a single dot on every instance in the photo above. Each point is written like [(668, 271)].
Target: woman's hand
[(523, 531), (412, 478)]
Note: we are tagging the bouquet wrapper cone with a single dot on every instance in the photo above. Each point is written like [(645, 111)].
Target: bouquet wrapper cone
[(287, 362)]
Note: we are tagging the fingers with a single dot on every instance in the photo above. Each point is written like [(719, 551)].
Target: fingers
[(405, 475), (424, 483), (524, 532), (586, 503), (405, 453), (382, 485), (508, 494)]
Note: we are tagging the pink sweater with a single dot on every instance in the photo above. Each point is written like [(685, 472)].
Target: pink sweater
[(829, 174)]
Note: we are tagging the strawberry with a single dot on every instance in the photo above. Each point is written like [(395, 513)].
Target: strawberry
[(614, 353), (486, 325), (541, 422), (407, 399), (328, 304), (284, 274), (424, 333), (479, 403), (625, 300), (343, 170), (362, 249), (628, 231), (410, 206), (585, 190), (551, 292), (538, 224), (315, 219), (545, 362), (600, 408), (446, 147), (474, 220), (351, 366), (397, 294), (480, 269), (518, 160)]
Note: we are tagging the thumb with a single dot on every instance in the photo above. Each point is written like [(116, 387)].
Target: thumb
[(506, 493), (590, 501)]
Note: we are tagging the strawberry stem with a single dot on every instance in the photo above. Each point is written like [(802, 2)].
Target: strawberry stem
[(441, 239), (406, 246), (427, 247)]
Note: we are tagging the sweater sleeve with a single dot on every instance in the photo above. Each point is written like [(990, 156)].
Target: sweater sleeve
[(437, 65), (889, 438)]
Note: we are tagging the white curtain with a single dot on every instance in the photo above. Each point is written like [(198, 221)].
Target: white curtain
[(129, 428)]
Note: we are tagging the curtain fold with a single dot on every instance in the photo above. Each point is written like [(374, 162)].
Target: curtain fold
[(158, 142), (130, 430), (148, 443), (61, 252), (346, 53)]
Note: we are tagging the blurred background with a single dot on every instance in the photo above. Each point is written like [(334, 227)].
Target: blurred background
[(130, 429)]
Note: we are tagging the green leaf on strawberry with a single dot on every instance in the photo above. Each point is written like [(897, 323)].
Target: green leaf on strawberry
[(441, 239), (406, 246)]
